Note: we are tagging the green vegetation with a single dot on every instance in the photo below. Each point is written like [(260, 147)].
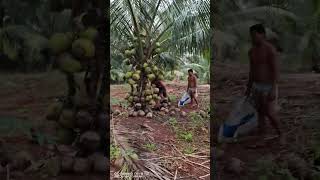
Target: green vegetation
[(150, 146), (114, 152), (291, 26)]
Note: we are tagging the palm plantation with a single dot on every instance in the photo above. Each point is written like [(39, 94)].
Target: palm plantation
[(155, 40)]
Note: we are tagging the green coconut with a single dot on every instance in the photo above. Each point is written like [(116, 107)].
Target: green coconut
[(138, 72), (155, 68), (151, 77), (54, 111), (149, 98), (69, 64), (130, 99), (136, 77), (128, 75), (67, 119), (127, 53), (59, 43), (158, 44), (158, 50), (133, 51), (83, 48), (90, 34), (152, 103), (160, 77), (148, 92), (145, 65), (155, 96), (65, 136), (131, 81), (148, 70)]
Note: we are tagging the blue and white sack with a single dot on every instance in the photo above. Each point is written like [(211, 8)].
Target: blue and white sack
[(242, 119), (184, 100)]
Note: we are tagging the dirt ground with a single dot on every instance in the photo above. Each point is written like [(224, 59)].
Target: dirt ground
[(161, 133), (25, 98), (299, 110)]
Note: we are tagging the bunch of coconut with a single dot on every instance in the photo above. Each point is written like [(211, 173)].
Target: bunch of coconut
[(74, 127), (144, 95), (73, 50)]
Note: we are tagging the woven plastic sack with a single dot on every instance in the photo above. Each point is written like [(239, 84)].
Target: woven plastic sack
[(185, 99), (242, 120)]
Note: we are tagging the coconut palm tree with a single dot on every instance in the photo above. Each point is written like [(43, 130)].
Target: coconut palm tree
[(156, 32)]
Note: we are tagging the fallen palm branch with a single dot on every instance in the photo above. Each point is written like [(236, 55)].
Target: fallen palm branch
[(132, 163)]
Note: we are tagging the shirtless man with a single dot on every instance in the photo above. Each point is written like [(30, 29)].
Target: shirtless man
[(263, 78), (162, 88), (192, 86)]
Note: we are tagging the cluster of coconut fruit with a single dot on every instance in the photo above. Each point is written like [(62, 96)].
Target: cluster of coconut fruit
[(76, 127), (144, 94), (73, 50), (78, 141)]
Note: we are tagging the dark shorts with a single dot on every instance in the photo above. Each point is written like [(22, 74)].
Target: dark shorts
[(261, 93)]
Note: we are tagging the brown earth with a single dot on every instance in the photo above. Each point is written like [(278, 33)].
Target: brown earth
[(162, 134), (299, 108)]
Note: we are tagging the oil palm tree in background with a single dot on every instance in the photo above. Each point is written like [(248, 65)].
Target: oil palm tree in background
[(290, 22)]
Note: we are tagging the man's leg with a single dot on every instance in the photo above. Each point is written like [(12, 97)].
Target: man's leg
[(191, 96), (273, 117), (261, 108)]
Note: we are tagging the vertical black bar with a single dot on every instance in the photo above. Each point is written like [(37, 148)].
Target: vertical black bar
[(213, 169), (107, 78)]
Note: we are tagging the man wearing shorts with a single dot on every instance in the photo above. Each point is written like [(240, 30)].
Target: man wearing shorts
[(192, 87), (263, 78)]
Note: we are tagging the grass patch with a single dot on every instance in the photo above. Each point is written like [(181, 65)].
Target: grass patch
[(150, 146), (114, 152), (186, 136), (173, 98), (188, 150), (196, 120)]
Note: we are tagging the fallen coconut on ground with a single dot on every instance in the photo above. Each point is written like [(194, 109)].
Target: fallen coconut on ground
[(135, 114), (141, 113), (149, 115), (183, 114)]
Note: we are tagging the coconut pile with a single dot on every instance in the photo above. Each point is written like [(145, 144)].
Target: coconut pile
[(144, 95), (78, 130)]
